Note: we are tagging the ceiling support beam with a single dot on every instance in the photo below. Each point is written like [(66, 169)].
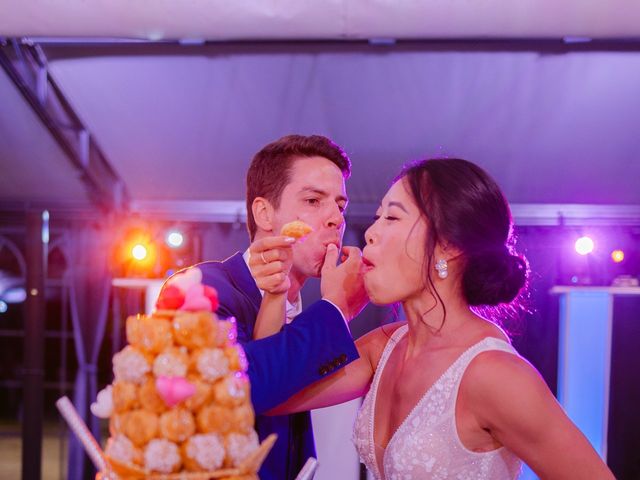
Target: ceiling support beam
[(524, 214), (26, 65), (358, 214)]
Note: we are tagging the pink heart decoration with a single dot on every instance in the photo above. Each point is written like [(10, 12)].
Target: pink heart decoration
[(174, 390), (195, 299), (185, 280)]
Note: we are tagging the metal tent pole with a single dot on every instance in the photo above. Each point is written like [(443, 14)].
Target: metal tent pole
[(36, 246)]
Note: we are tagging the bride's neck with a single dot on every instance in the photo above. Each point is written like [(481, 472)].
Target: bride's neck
[(426, 315)]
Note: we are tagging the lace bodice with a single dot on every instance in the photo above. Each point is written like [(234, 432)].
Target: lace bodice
[(426, 445)]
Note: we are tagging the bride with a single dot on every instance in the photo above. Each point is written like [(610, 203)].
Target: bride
[(446, 395)]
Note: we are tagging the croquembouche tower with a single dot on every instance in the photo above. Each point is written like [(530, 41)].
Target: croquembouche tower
[(179, 406)]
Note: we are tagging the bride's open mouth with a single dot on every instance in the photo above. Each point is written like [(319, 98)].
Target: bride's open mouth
[(368, 265)]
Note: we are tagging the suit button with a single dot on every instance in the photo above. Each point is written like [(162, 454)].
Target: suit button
[(337, 363), (330, 367), (343, 357), (323, 371)]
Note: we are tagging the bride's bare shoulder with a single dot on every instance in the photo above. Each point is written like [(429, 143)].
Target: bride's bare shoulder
[(372, 344)]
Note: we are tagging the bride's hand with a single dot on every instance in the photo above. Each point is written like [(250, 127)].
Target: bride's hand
[(343, 285)]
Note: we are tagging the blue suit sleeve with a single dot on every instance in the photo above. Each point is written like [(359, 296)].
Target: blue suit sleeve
[(314, 345)]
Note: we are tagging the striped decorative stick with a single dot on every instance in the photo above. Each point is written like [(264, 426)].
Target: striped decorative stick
[(77, 425)]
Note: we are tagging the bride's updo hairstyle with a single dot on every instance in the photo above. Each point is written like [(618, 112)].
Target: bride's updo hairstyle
[(463, 206)]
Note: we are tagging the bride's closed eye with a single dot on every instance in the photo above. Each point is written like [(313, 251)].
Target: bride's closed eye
[(386, 217)]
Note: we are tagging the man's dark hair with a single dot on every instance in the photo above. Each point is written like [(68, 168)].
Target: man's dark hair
[(270, 169)]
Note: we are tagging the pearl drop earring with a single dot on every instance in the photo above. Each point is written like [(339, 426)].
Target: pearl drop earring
[(442, 268)]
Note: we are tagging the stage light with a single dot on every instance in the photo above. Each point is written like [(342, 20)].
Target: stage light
[(584, 245), (617, 256), (14, 295), (174, 239), (147, 250), (3, 307), (139, 252)]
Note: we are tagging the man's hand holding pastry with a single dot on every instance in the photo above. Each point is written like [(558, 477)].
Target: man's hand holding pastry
[(270, 261)]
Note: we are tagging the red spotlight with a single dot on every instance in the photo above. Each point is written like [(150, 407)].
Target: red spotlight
[(136, 253), (139, 252)]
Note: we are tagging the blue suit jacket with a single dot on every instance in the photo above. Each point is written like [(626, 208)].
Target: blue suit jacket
[(315, 344)]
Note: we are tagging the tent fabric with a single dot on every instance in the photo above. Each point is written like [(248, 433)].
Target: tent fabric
[(551, 127), (90, 286)]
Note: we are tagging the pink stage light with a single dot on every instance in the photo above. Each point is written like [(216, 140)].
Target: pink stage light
[(584, 245)]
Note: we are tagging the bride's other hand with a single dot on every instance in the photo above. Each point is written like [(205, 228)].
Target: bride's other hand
[(343, 285)]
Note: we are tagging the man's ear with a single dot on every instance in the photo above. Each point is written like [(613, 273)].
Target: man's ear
[(263, 213)]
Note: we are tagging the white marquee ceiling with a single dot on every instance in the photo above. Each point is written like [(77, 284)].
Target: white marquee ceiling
[(555, 123)]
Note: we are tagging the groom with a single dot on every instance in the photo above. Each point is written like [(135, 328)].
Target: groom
[(295, 177)]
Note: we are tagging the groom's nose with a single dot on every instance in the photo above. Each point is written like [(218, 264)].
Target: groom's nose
[(335, 219)]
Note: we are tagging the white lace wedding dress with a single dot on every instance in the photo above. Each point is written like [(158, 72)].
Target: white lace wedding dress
[(426, 445)]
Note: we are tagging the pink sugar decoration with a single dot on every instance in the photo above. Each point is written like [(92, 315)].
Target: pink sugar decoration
[(174, 390), (195, 299)]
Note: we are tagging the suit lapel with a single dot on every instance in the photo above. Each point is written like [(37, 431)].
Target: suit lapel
[(241, 277)]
